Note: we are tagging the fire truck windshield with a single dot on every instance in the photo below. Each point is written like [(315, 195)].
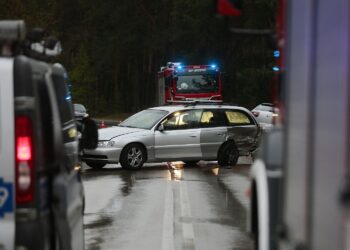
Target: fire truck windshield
[(197, 83)]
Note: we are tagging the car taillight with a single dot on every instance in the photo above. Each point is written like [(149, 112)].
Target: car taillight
[(255, 113), (24, 159)]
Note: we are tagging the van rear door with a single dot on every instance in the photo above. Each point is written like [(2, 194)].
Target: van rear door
[(7, 157)]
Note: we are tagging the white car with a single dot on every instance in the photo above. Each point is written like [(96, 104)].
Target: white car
[(186, 133), (266, 114)]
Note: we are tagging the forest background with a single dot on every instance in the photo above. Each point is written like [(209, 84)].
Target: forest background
[(113, 49)]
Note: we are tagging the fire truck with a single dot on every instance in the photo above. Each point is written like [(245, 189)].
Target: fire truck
[(179, 83)]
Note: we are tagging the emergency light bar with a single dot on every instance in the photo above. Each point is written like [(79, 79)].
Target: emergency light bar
[(12, 30), (173, 64)]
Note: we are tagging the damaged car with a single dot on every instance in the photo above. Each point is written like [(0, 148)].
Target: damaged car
[(188, 133)]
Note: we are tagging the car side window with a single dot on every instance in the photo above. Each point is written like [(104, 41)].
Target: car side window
[(235, 117), (212, 118), (185, 119)]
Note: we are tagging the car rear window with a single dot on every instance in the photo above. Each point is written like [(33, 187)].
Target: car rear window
[(237, 117), (212, 118)]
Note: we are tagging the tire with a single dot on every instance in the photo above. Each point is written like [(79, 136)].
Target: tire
[(95, 165), (228, 154), (190, 163), (133, 156)]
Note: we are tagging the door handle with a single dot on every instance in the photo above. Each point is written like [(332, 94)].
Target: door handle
[(193, 136), (219, 134)]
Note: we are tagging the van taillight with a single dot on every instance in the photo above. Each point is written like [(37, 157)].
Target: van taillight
[(24, 160)]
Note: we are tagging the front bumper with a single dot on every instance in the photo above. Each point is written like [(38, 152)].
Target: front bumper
[(106, 155)]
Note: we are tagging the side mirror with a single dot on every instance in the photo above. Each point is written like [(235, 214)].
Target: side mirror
[(89, 134), (161, 128)]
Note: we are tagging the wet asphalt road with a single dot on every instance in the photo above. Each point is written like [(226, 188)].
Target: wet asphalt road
[(166, 206)]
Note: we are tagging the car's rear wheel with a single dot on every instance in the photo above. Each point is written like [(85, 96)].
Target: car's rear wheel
[(133, 156), (228, 154), (95, 165)]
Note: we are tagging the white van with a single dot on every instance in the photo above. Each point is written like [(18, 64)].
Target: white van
[(41, 193)]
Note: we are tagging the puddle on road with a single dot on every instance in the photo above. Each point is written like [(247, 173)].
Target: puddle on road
[(175, 171)]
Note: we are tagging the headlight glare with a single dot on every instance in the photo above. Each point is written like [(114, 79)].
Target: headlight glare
[(106, 144)]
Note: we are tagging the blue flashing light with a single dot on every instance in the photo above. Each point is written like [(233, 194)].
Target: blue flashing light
[(276, 53), (275, 68), (213, 66), (68, 97), (179, 67)]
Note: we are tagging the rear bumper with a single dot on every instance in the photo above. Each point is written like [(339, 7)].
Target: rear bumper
[(34, 234)]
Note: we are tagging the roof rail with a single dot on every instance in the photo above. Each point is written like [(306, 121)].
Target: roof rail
[(195, 102), (267, 104)]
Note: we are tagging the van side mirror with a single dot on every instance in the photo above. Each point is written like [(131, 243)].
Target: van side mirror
[(89, 134)]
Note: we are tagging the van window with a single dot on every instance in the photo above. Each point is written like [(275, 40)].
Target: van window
[(63, 97), (46, 119)]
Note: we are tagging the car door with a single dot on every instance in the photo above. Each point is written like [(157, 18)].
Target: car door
[(7, 155), (213, 132), (243, 129), (180, 139)]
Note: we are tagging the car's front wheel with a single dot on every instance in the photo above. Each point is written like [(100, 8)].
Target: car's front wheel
[(95, 165), (228, 154), (133, 156)]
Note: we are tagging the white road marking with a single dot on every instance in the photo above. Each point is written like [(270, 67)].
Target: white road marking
[(168, 218), (187, 227)]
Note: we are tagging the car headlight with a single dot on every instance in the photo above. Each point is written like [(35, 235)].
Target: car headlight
[(106, 144)]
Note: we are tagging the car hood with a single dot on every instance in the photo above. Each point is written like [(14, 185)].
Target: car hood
[(105, 134)]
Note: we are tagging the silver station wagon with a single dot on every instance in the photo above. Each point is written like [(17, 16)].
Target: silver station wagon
[(187, 133)]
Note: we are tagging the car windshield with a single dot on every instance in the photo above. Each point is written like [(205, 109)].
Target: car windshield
[(145, 119), (197, 83), (264, 108), (79, 108)]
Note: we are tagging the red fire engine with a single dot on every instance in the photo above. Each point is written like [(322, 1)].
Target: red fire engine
[(178, 83)]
